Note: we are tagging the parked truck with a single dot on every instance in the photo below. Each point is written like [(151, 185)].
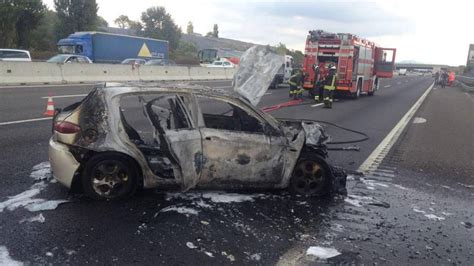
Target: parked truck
[(103, 47), (359, 63)]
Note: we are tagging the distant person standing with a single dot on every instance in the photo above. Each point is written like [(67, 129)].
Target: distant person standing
[(317, 87), (451, 77), (437, 78), (444, 79)]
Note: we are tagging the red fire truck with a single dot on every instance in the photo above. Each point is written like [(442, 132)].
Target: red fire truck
[(359, 62)]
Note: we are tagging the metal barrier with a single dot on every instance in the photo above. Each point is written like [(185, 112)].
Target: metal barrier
[(22, 73), (466, 83)]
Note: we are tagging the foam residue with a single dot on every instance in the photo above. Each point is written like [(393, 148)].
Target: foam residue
[(44, 205), (358, 201), (41, 171), (322, 252), (5, 258), (38, 218), (182, 210), (216, 197)]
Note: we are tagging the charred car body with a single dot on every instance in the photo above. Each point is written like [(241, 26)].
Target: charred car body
[(124, 137)]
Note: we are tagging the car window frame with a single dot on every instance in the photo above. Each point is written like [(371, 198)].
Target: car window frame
[(238, 104)]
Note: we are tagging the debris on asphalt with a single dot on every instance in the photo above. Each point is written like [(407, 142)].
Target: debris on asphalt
[(468, 225)]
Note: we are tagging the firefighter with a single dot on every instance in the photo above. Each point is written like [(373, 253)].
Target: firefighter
[(329, 87), (317, 87), (295, 83)]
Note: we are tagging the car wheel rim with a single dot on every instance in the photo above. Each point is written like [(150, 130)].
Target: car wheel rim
[(308, 178), (110, 179)]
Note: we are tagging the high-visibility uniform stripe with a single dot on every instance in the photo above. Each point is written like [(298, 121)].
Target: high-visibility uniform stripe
[(332, 86)]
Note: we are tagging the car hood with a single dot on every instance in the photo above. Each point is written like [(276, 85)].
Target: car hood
[(314, 132), (257, 68)]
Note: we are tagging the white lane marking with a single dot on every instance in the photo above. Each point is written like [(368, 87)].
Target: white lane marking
[(25, 121), (379, 153), (268, 93), (387, 86), (222, 87), (209, 81), (47, 85), (318, 104), (65, 96)]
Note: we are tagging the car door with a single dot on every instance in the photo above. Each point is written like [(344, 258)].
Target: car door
[(236, 150), (177, 135)]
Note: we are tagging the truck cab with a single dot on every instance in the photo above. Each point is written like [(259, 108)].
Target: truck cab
[(76, 43)]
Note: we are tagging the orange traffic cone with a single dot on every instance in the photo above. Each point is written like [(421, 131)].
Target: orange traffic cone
[(49, 107)]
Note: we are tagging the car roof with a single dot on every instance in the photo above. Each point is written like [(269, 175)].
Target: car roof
[(115, 89), (14, 50)]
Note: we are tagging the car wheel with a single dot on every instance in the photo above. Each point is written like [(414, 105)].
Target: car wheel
[(109, 176), (311, 177)]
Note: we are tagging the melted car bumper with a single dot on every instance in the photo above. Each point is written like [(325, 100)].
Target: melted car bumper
[(63, 163)]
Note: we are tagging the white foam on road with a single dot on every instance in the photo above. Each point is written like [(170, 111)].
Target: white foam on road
[(322, 252), (182, 210), (215, 197), (434, 217), (5, 258), (41, 171), (419, 120), (38, 218), (44, 205)]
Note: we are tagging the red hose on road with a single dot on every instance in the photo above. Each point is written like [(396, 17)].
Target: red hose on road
[(272, 108)]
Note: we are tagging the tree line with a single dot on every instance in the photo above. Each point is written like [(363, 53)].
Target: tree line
[(29, 24)]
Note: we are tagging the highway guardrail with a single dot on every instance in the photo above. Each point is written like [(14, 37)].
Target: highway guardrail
[(25, 73), (466, 83)]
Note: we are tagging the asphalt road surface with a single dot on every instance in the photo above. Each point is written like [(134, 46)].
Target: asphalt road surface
[(396, 214)]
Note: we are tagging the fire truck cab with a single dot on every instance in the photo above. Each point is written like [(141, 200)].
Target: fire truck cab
[(359, 62)]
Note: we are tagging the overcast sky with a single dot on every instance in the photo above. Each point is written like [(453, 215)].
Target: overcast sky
[(423, 31)]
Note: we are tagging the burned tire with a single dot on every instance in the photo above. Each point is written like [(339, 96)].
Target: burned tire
[(311, 177), (109, 176)]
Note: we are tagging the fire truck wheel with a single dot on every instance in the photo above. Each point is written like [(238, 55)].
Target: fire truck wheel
[(375, 88), (356, 94)]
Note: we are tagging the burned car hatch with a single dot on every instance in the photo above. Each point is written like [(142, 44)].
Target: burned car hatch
[(257, 68)]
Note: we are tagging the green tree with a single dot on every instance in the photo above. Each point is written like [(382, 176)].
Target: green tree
[(136, 27), (158, 24), (43, 38), (215, 31), (17, 20), (75, 15), (101, 22), (186, 53), (122, 22), (281, 49), (190, 28)]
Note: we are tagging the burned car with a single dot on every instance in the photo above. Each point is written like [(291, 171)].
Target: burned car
[(122, 137)]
